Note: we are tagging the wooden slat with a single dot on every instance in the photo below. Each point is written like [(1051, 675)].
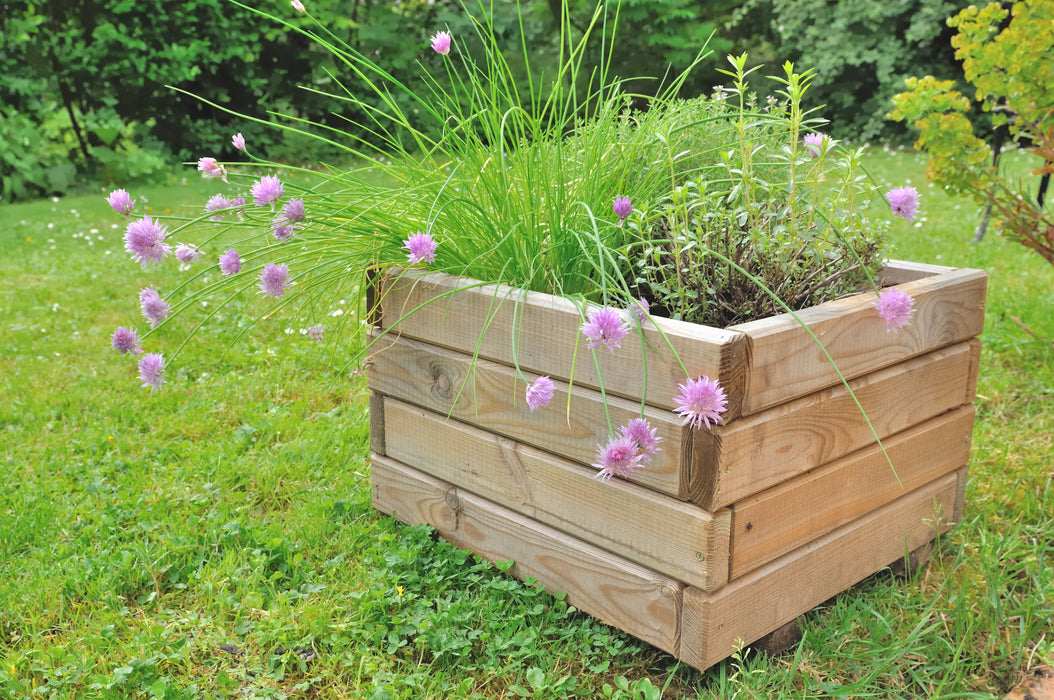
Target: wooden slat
[(673, 538), (540, 334), (413, 497), (491, 395), (766, 599), (757, 452), (787, 516), (786, 363), (377, 423), (613, 590)]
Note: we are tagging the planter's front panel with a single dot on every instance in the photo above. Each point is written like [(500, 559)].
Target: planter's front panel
[(613, 590), (754, 453), (691, 544), (795, 512), (490, 395), (713, 625), (785, 361), (540, 333)]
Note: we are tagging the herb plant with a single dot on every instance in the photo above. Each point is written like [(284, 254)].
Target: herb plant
[(712, 210)]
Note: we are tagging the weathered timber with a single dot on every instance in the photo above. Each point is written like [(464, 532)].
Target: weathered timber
[(785, 362), (613, 590), (713, 625), (734, 461), (790, 514), (488, 394), (692, 544)]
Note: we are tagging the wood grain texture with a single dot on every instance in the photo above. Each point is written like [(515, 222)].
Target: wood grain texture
[(769, 597), (788, 515), (674, 538), (490, 395), (611, 589), (754, 453), (786, 363), (540, 334)]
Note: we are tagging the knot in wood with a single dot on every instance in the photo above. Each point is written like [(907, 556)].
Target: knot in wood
[(441, 382), (451, 500)]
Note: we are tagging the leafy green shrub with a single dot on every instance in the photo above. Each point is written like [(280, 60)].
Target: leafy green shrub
[(860, 50), (1011, 65)]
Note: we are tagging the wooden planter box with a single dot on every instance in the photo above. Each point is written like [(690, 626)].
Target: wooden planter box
[(728, 534)]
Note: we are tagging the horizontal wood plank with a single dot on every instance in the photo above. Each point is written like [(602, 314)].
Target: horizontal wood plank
[(491, 395), (789, 515), (540, 334), (756, 452), (713, 624), (678, 539), (613, 590), (786, 363)]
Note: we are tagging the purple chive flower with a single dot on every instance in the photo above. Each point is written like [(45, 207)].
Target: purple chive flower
[(895, 307), (145, 240), (604, 327), (209, 167), (905, 202), (701, 402), (643, 435), (187, 253), (151, 367), (316, 332), (230, 263), (126, 340), (293, 210), (121, 202), (267, 190), (298, 6), (441, 43), (539, 393), (273, 279), (422, 248), (155, 309), (217, 202), (283, 232), (641, 308), (238, 204), (814, 144), (619, 457), (622, 206), (239, 141)]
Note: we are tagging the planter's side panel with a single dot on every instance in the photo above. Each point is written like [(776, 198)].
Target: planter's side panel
[(487, 394), (674, 538), (613, 590), (766, 599), (540, 333), (786, 363), (789, 515), (759, 451)]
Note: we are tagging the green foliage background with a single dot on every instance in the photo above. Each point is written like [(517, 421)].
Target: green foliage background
[(83, 83), (861, 51)]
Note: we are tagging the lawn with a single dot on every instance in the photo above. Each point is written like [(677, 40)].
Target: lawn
[(216, 539)]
